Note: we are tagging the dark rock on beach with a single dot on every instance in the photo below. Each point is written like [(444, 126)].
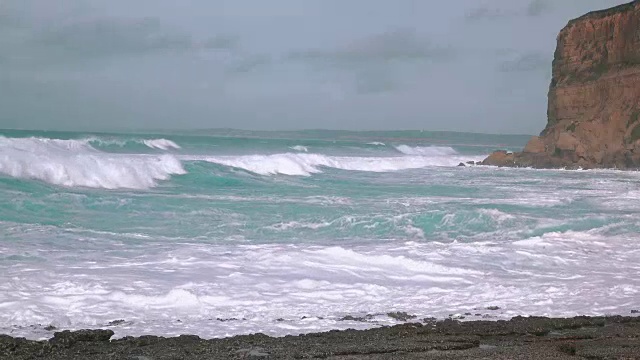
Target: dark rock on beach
[(401, 316), (524, 338), (364, 318)]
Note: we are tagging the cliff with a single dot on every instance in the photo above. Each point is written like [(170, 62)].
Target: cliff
[(594, 97)]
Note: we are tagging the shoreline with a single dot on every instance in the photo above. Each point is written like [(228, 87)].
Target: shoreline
[(525, 337)]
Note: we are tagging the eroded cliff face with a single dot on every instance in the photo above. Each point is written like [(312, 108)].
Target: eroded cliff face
[(594, 96)]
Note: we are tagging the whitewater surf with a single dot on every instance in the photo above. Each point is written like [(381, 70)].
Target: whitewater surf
[(218, 234)]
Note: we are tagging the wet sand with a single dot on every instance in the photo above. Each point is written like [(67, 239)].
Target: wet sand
[(614, 337)]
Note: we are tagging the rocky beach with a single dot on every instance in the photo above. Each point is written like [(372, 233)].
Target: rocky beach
[(614, 337)]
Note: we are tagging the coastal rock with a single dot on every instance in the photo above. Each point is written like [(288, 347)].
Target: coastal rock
[(500, 158), (613, 337), (593, 114), (68, 338), (534, 146), (401, 316)]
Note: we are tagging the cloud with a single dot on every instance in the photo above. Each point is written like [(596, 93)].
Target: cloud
[(27, 44), (397, 45), (376, 62), (111, 37), (110, 47), (538, 7), (483, 13), (531, 61), (222, 42), (532, 9), (248, 63), (373, 82)]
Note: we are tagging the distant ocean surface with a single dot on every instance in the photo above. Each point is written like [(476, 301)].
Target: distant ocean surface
[(226, 232)]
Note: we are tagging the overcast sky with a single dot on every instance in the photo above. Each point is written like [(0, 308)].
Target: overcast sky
[(461, 65)]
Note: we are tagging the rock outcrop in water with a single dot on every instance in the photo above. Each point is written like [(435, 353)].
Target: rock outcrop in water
[(594, 97)]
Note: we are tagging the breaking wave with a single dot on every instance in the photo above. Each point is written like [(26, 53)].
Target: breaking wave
[(161, 144), (300, 148), (76, 163), (307, 164), (426, 150), (87, 162)]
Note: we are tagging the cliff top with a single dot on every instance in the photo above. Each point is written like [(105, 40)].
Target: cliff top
[(598, 14)]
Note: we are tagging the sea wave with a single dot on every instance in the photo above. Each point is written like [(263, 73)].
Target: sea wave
[(83, 163), (307, 164), (75, 163), (161, 144), (300, 148), (426, 150)]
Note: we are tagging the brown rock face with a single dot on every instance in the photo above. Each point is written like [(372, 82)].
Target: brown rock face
[(535, 146), (499, 158), (594, 96)]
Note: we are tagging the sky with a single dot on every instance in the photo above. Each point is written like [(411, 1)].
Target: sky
[(457, 65)]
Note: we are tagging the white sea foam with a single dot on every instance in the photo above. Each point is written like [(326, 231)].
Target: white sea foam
[(376, 143), (436, 242), (169, 288), (162, 144), (76, 163), (426, 150), (497, 215), (307, 164), (300, 148), (102, 141)]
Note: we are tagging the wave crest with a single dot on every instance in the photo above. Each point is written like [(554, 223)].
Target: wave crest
[(161, 144), (74, 163), (426, 150), (307, 164), (300, 148)]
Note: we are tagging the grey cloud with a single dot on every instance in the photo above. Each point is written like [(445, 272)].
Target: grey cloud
[(533, 8), (372, 82), (532, 61), (249, 63), (280, 64), (483, 13), (222, 42), (98, 39), (109, 37), (9, 21), (401, 45), (538, 7), (375, 62)]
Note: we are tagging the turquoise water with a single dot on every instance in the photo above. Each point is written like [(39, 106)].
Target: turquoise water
[(287, 232)]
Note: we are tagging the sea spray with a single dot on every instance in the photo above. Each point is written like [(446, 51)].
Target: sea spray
[(74, 163)]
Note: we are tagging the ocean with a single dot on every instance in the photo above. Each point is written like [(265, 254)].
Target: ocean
[(225, 232)]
